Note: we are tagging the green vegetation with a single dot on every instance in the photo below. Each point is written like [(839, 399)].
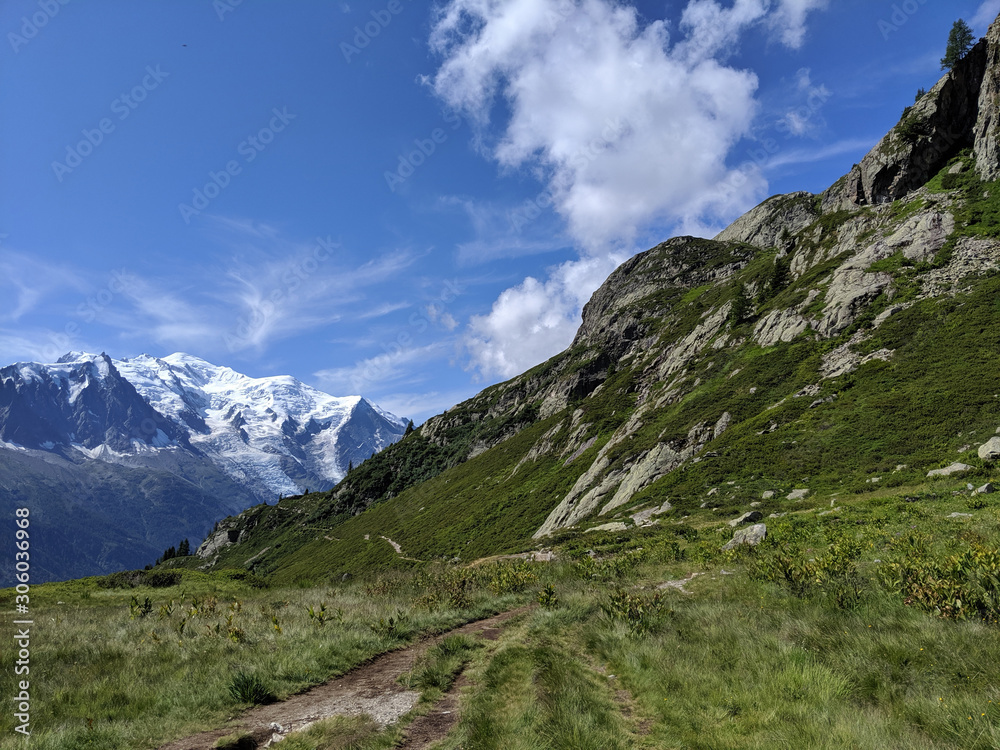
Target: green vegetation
[(960, 41)]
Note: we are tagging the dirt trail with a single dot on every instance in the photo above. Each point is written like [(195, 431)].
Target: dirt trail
[(370, 689)]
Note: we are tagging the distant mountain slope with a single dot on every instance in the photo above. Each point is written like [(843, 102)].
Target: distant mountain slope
[(821, 345), (119, 459)]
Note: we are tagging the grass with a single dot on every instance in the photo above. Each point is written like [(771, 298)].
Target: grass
[(107, 680), (756, 656)]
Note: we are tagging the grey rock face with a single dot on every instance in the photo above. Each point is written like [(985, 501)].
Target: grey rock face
[(939, 125), (763, 226), (987, 130)]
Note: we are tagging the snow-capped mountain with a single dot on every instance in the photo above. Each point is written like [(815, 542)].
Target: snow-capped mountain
[(275, 433), (119, 459)]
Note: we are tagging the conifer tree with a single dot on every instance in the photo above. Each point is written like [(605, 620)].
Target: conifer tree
[(742, 306), (960, 41)]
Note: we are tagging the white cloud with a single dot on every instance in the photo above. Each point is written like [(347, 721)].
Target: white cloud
[(790, 19), (625, 129), (27, 283), (534, 320), (628, 128), (986, 15)]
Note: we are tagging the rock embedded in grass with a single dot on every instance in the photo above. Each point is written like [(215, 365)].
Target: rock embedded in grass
[(990, 450), (751, 536), (955, 468), (751, 517)]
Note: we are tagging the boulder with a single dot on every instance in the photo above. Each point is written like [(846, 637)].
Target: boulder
[(767, 495), (990, 450), (797, 494), (751, 536), (751, 517), (955, 468), (987, 489)]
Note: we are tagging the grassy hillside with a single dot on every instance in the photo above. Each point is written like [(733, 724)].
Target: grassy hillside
[(869, 625), (442, 493)]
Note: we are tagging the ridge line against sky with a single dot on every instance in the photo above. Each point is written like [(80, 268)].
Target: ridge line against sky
[(403, 202)]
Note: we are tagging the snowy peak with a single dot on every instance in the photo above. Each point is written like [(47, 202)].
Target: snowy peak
[(273, 435), (82, 402)]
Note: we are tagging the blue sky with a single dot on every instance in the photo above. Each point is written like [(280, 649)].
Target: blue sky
[(401, 200)]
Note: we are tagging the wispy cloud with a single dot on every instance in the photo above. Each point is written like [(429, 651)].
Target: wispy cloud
[(807, 156), (986, 15), (394, 367), (26, 283)]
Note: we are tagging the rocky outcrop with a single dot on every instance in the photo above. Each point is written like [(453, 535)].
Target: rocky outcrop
[(751, 517), (987, 130), (593, 488), (779, 326), (955, 468), (773, 220), (933, 130)]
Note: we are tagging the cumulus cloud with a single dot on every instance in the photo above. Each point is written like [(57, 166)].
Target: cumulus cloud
[(627, 127), (604, 108), (534, 320)]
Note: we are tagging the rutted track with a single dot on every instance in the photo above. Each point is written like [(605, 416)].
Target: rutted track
[(371, 689)]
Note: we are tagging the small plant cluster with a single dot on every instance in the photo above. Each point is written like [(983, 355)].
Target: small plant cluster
[(965, 586), (835, 575), (137, 609), (204, 608), (547, 597), (456, 588), (612, 568), (245, 687), (392, 627), (642, 613)]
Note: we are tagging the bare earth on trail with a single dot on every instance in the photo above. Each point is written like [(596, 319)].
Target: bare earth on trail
[(370, 689)]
